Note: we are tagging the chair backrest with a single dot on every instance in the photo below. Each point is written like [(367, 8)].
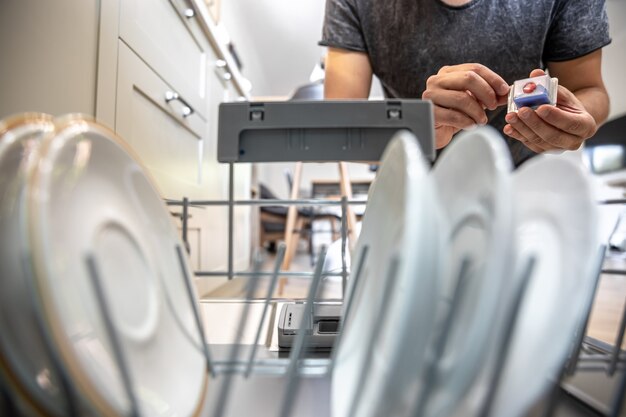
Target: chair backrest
[(310, 91), (289, 178), (265, 193)]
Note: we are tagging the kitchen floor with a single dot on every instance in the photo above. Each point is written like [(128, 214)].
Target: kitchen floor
[(609, 303), (605, 318), (292, 288)]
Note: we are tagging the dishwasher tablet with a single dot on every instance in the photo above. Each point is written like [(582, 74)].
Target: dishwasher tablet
[(533, 92)]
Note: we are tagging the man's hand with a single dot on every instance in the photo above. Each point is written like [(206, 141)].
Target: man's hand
[(461, 93), (564, 127)]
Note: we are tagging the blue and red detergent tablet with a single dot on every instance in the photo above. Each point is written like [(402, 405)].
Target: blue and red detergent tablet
[(533, 92)]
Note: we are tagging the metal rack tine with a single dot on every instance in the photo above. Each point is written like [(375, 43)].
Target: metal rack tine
[(231, 219), (194, 308), (348, 302), (344, 240), (572, 361), (299, 342), (71, 398), (253, 283), (266, 202), (185, 223), (620, 397), (617, 347), (378, 324), (505, 343), (111, 331), (270, 291), (430, 374)]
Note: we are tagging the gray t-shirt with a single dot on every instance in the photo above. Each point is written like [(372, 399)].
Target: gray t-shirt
[(409, 40)]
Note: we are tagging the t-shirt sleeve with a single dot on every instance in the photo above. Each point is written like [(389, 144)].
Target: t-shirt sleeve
[(578, 28), (342, 27)]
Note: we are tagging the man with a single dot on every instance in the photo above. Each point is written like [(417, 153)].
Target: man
[(463, 55)]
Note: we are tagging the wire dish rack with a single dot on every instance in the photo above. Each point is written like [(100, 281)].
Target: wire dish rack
[(284, 376), (243, 362), (244, 138), (587, 355)]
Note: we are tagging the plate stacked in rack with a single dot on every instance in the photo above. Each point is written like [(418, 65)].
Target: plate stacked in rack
[(556, 226), (381, 356), (102, 272), (473, 177), (487, 332), (25, 360)]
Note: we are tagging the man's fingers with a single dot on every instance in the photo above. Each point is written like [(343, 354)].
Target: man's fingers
[(527, 133), (548, 132), (577, 124), (502, 100), (467, 81), (451, 117), (512, 132), (537, 73), (496, 82), (459, 101)]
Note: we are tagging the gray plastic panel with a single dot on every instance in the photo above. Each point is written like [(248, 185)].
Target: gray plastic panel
[(319, 131)]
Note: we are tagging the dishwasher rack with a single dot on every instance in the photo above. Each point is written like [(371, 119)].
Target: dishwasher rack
[(296, 366), (584, 355), (238, 122)]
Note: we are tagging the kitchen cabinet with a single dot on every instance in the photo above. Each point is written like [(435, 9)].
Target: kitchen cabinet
[(155, 73), (171, 78), (167, 142), (167, 36)]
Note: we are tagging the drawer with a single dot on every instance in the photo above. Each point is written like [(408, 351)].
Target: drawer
[(172, 44), (167, 142)]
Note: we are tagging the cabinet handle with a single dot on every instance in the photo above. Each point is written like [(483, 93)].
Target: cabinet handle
[(188, 10), (187, 110), (221, 64)]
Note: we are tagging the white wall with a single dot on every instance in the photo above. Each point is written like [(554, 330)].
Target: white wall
[(48, 51), (614, 58), (277, 41), (273, 175)]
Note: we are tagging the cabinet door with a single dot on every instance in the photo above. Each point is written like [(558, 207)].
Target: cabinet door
[(170, 146), (167, 142), (165, 34)]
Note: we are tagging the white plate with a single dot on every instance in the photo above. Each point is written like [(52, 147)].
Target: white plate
[(401, 219), (474, 184), (557, 224), (90, 197), (23, 358)]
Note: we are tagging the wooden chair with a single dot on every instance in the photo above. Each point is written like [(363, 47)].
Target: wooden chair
[(311, 91), (295, 221)]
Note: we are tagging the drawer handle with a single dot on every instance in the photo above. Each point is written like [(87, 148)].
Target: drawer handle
[(221, 64), (189, 13), (173, 96)]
